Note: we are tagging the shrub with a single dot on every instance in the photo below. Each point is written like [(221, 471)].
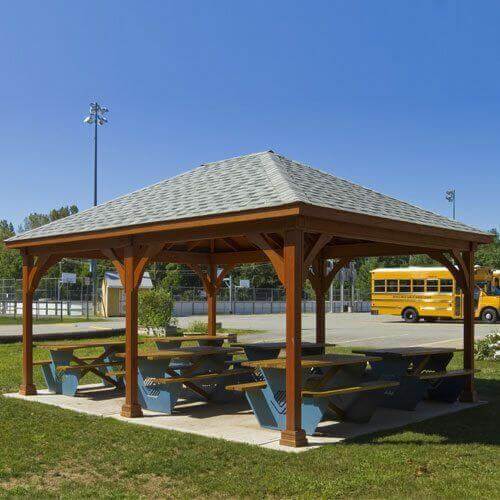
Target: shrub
[(487, 347), (155, 309), (200, 327)]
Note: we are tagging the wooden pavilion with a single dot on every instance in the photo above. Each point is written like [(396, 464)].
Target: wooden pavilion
[(255, 208)]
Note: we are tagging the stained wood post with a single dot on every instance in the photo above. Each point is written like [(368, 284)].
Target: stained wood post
[(131, 408), (212, 300), (320, 300), (27, 387), (293, 435), (469, 394)]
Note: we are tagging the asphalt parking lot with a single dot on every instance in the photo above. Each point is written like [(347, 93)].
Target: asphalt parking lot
[(356, 329)]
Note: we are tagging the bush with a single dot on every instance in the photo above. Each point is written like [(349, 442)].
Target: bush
[(487, 347), (199, 327), (155, 309)]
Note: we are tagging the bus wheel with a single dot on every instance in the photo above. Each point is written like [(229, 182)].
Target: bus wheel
[(430, 319), (489, 315), (410, 315)]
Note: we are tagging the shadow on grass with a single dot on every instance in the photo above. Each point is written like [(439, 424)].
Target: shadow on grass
[(477, 425)]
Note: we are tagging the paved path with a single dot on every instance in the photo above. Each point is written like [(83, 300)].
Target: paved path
[(86, 328), (357, 329)]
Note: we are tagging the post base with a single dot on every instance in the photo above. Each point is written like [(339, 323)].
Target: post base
[(28, 390), (296, 439), (469, 396), (131, 411)]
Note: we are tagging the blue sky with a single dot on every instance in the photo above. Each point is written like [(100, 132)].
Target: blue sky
[(400, 96)]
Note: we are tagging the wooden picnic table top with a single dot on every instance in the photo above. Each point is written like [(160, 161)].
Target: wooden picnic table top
[(81, 345), (406, 352), (324, 360), (190, 338), (277, 345), (185, 352)]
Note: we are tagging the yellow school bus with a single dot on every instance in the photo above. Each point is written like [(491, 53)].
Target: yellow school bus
[(430, 293)]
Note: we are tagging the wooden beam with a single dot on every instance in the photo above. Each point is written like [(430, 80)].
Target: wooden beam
[(216, 226), (384, 224), (370, 249), (131, 408), (319, 267), (146, 255), (27, 387), (469, 393), (293, 435), (463, 268), (382, 234), (334, 271), (182, 257), (455, 272), (225, 271), (316, 248), (111, 255), (273, 254), (41, 266)]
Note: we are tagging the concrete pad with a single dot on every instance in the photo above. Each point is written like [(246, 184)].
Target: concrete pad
[(235, 421)]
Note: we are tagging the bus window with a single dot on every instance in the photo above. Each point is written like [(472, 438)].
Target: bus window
[(432, 285), (404, 285), (379, 286), (392, 285), (446, 286), (418, 285)]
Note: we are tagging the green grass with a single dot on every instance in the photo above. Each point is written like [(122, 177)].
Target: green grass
[(47, 451), (10, 320)]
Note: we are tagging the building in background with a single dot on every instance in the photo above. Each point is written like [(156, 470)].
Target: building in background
[(113, 294)]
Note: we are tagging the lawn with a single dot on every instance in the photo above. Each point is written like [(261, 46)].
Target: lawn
[(47, 451)]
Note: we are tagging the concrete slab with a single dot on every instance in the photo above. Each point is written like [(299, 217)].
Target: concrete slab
[(234, 421)]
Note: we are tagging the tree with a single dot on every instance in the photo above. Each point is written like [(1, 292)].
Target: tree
[(35, 219), (489, 255), (10, 260)]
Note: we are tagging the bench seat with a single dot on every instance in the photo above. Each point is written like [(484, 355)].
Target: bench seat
[(248, 386), (374, 385), (443, 374), (42, 362), (202, 376), (87, 367)]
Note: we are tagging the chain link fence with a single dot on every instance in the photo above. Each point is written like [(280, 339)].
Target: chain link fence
[(54, 298)]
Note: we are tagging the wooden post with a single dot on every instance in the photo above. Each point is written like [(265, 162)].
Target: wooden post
[(27, 387), (320, 268), (469, 394), (212, 300), (293, 435), (131, 408)]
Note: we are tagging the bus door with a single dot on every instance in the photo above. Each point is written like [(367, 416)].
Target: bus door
[(458, 303)]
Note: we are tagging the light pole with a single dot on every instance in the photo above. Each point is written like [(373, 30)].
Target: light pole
[(450, 196), (96, 117)]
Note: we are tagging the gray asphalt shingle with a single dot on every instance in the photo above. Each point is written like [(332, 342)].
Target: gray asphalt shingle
[(258, 180)]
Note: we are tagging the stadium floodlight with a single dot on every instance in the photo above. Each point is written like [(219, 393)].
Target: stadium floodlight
[(96, 117), (451, 196)]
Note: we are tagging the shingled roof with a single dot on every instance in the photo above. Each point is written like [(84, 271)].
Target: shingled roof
[(259, 180)]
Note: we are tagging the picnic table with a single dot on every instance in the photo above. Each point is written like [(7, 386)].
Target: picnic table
[(65, 368), (201, 340), (165, 375), (270, 350), (421, 372), (330, 382)]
